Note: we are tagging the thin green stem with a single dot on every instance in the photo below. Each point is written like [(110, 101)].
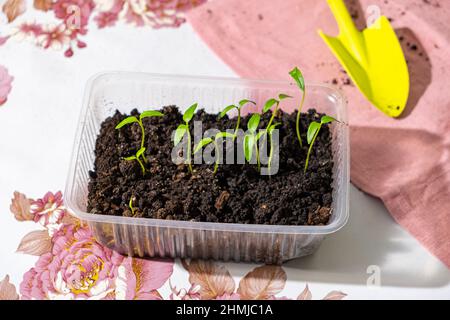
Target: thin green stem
[(189, 150), (142, 138), (274, 113), (310, 148), (237, 124), (299, 137), (257, 156), (130, 204), (264, 138), (142, 166), (269, 164), (216, 165)]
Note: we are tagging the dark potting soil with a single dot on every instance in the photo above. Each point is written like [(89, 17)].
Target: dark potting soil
[(236, 194)]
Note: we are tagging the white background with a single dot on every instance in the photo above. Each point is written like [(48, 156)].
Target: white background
[(36, 134)]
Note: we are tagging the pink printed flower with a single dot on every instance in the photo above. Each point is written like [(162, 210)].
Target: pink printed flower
[(106, 19), (109, 12), (105, 5), (54, 36), (27, 30), (138, 279), (5, 84), (157, 14), (49, 211), (77, 268), (135, 13), (80, 268)]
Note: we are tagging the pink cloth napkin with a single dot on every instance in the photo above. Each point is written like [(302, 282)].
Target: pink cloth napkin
[(405, 162)]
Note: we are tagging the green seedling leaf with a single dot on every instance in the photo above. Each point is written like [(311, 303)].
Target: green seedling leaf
[(189, 113), (130, 158), (224, 135), (312, 130), (179, 133), (297, 75), (269, 104), (245, 101), (249, 142), (150, 113), (327, 119), (140, 152), (202, 143), (126, 121), (226, 110), (253, 123), (283, 96)]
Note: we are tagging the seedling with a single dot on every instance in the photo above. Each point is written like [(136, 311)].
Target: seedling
[(136, 157), (130, 204), (269, 133), (274, 102), (204, 142), (270, 127), (238, 108), (133, 119), (183, 129), (296, 74), (250, 139), (313, 132)]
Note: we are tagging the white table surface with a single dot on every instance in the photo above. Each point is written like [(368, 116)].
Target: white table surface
[(37, 129)]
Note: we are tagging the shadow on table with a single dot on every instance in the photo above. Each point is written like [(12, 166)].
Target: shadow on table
[(371, 236)]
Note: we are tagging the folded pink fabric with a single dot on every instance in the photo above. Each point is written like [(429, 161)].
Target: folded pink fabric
[(405, 162)]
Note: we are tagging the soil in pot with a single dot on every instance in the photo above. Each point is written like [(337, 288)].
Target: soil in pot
[(235, 194)]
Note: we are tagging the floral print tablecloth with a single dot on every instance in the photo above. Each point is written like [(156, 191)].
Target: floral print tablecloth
[(72, 265)]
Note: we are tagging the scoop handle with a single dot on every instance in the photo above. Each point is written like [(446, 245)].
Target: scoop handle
[(348, 29), (343, 18)]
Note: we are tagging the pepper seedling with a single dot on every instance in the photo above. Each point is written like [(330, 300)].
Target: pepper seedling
[(250, 139), (183, 129), (297, 75), (313, 132), (136, 157), (238, 108), (270, 126), (133, 119), (205, 141), (269, 131), (130, 205), (274, 102)]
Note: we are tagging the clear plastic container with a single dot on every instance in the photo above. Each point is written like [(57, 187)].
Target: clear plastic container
[(204, 240)]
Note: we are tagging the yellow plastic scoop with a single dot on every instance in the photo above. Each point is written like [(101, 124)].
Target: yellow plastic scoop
[(373, 58)]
